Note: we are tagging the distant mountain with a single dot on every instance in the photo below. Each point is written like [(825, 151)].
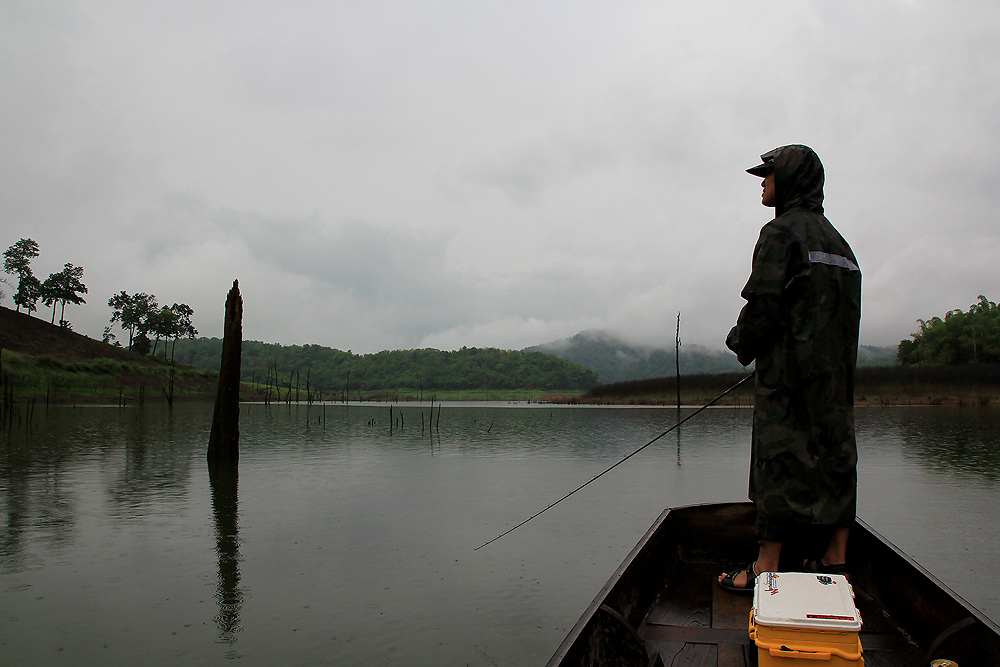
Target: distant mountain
[(869, 355), (614, 360)]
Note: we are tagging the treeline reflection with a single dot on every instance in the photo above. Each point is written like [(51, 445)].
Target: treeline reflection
[(964, 441), (44, 465)]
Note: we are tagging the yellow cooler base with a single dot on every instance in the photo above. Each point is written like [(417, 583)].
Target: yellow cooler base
[(788, 647)]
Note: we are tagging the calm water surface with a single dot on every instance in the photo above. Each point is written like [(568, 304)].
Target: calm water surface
[(349, 539)]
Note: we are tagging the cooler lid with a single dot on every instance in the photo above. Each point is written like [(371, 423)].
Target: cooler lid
[(805, 600)]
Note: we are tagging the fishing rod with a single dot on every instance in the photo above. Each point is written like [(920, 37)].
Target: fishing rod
[(607, 470)]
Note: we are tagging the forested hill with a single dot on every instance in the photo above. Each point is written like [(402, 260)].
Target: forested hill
[(330, 371)]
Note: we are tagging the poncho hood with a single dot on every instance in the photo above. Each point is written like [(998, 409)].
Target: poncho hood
[(798, 179)]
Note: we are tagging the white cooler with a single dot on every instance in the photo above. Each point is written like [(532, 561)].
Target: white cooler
[(800, 617)]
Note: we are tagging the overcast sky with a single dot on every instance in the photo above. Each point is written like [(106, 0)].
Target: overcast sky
[(423, 173)]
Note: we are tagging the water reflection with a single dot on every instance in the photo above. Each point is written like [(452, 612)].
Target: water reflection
[(224, 478), (960, 441), (153, 465), (17, 513), (106, 533), (36, 501)]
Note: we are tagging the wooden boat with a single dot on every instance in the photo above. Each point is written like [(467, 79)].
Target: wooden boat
[(663, 606)]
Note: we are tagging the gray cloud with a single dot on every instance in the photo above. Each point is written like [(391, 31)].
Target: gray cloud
[(403, 174)]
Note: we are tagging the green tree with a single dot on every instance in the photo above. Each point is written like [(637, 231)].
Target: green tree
[(49, 291), (183, 325), (17, 262), (971, 337), (29, 291), (63, 287), (141, 344), (159, 323), (132, 313), (170, 324)]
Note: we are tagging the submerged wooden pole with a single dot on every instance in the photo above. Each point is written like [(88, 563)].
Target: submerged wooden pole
[(224, 441), (677, 361)]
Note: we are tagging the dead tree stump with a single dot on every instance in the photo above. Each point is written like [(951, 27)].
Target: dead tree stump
[(224, 441)]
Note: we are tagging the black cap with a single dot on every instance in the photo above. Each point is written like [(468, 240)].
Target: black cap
[(767, 166)]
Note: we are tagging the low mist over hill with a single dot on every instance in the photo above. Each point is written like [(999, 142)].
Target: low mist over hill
[(614, 360)]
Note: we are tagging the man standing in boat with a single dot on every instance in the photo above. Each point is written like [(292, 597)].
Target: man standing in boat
[(800, 327)]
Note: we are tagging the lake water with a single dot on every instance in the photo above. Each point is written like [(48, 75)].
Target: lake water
[(350, 539)]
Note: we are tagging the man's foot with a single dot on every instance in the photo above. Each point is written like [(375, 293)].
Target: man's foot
[(740, 581)]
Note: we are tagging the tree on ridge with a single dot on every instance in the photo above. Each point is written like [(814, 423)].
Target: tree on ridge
[(63, 287), (17, 262), (132, 312)]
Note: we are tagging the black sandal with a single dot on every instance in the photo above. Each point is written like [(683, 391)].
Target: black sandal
[(817, 566), (728, 582)]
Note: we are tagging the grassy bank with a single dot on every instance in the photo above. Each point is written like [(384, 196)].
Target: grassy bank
[(102, 379), (39, 361)]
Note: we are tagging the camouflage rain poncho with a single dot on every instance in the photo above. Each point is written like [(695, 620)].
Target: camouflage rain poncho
[(800, 324)]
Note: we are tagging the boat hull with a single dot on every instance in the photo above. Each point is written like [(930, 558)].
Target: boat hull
[(662, 603)]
